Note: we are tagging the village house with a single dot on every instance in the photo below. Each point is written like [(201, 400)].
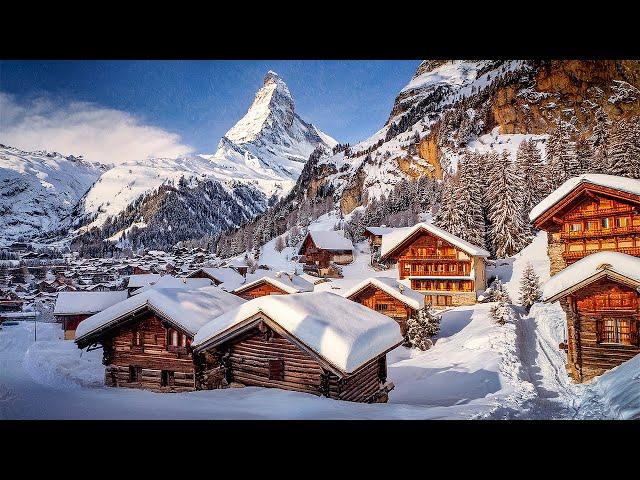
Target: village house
[(374, 237), (389, 297), (136, 282), (220, 275), (168, 281), (448, 270), (587, 214), (320, 249), (272, 283), (147, 338), (318, 343), (73, 307), (599, 295)]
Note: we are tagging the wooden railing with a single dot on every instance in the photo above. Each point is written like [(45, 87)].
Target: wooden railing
[(634, 251), (600, 212), (417, 273), (601, 232), (432, 257)]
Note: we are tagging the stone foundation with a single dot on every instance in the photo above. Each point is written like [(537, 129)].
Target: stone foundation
[(555, 249)]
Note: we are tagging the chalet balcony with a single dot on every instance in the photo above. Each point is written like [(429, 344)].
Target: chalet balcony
[(634, 251), (432, 258), (419, 273), (601, 212), (601, 232)]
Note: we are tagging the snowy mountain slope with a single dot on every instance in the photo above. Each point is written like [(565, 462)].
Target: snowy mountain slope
[(264, 153), (39, 191), (453, 106)]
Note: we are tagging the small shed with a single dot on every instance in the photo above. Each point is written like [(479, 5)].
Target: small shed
[(320, 249)]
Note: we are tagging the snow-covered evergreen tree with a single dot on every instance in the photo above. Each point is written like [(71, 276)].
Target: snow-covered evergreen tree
[(623, 156), (599, 143), (502, 313), (529, 287), (470, 201), (533, 186), (497, 292), (508, 232), (449, 215), (421, 327), (562, 161)]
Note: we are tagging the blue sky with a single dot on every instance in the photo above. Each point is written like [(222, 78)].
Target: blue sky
[(193, 103)]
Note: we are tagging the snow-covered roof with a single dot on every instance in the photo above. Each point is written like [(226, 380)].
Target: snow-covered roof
[(331, 240), (143, 280), (344, 333), (392, 240), (629, 185), (221, 274), (168, 281), (285, 281), (379, 230), (75, 303), (187, 309), (591, 268), (394, 288)]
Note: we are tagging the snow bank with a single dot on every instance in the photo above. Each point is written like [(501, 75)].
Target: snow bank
[(222, 275), (394, 288), (62, 365), (188, 309), (629, 185), (391, 240), (617, 390), (592, 267), (73, 303), (343, 332)]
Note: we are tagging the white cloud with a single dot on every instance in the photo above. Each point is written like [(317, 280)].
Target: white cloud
[(79, 128)]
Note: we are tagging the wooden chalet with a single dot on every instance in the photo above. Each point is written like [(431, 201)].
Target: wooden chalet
[(446, 269), (73, 307), (600, 296), (588, 214), (320, 249), (374, 236), (318, 343), (147, 338), (389, 297), (230, 277), (272, 283)]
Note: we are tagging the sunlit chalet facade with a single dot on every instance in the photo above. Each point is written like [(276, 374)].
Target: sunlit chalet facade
[(588, 214), (600, 296), (448, 270)]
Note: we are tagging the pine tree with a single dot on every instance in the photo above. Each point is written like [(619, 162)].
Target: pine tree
[(529, 287), (502, 313), (623, 156), (533, 186), (508, 232), (421, 327), (449, 216), (562, 161), (470, 201), (599, 143), (497, 292)]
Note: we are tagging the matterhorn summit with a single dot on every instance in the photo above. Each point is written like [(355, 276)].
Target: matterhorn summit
[(271, 143)]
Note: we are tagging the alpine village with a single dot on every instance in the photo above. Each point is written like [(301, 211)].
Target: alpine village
[(479, 249)]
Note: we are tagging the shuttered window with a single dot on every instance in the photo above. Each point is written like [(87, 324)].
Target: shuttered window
[(382, 307), (276, 369)]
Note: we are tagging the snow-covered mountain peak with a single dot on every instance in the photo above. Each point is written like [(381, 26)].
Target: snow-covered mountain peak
[(272, 107)]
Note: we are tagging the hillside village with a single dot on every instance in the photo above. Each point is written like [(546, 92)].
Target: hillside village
[(477, 257), (331, 319)]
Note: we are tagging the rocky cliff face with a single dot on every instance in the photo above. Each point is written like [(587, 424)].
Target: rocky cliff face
[(450, 106)]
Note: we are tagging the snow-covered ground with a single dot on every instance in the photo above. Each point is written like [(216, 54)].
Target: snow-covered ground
[(476, 369)]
